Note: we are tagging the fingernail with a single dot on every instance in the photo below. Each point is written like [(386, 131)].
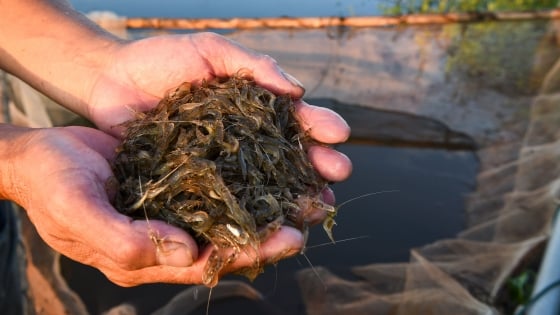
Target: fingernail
[(328, 196), (293, 80), (282, 255), (174, 254)]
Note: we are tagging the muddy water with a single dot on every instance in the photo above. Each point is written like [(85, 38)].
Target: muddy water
[(429, 184)]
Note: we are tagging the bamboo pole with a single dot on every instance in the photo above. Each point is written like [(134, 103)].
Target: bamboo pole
[(321, 22)]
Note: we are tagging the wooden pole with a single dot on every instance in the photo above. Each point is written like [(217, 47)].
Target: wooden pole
[(321, 22)]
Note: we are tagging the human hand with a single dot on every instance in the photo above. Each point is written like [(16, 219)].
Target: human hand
[(59, 176), (141, 73)]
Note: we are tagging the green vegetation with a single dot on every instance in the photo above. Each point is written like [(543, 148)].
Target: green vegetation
[(521, 287), (495, 54), (445, 6), (498, 55)]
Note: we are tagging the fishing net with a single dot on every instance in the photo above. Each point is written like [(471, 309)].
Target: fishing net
[(509, 214), (490, 87)]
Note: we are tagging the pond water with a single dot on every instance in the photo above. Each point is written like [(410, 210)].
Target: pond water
[(427, 204), (230, 9)]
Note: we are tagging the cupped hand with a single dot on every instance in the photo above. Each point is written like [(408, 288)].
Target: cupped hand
[(138, 75), (59, 176)]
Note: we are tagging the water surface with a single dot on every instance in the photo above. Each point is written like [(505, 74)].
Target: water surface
[(230, 9)]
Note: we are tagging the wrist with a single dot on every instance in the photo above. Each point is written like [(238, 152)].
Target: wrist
[(14, 141)]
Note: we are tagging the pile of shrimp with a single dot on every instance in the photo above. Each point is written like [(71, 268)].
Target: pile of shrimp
[(225, 160)]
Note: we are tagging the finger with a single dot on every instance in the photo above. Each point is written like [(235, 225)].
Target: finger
[(323, 124), (266, 73), (285, 242), (156, 274), (316, 215), (151, 243), (270, 76), (235, 57), (330, 164), (328, 196), (99, 141), (120, 241)]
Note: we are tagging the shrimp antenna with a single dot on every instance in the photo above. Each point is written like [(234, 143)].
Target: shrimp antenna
[(366, 195)]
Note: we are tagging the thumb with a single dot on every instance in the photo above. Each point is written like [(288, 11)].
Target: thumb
[(124, 242), (267, 73), (234, 57), (154, 242)]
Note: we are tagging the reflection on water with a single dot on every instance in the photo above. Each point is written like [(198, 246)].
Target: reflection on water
[(429, 205)]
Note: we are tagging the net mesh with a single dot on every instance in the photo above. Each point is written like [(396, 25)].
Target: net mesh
[(509, 215)]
